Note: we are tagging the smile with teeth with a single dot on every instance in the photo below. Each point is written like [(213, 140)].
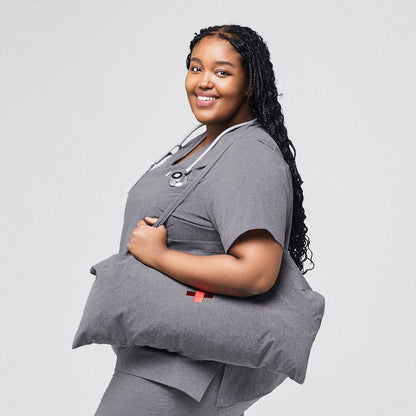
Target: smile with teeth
[(203, 98)]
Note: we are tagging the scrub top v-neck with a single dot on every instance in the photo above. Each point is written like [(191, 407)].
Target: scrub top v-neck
[(248, 188), (175, 160)]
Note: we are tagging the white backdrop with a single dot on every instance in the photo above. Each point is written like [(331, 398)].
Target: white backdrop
[(92, 92)]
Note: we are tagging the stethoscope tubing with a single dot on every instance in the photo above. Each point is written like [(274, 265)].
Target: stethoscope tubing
[(179, 146), (213, 143)]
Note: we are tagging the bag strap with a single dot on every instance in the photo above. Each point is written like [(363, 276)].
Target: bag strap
[(188, 189)]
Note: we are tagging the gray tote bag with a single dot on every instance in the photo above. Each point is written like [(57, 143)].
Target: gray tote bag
[(131, 303)]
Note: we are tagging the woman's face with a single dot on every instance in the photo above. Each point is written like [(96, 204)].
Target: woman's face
[(216, 85)]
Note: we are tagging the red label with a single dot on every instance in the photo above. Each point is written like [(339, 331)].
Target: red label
[(199, 295)]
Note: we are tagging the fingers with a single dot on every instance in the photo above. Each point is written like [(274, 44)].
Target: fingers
[(152, 220)]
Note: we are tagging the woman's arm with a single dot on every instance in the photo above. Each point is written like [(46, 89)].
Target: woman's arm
[(250, 267)]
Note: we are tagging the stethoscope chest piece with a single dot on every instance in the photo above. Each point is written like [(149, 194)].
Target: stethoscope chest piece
[(178, 178)]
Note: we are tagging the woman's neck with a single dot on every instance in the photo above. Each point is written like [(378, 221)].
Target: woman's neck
[(214, 130)]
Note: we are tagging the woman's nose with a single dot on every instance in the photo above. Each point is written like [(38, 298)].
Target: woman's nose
[(206, 80)]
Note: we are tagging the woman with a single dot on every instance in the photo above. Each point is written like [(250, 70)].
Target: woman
[(246, 210)]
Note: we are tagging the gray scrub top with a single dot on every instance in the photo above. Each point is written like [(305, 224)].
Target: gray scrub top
[(250, 187)]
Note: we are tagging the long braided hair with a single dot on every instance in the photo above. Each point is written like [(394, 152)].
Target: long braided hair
[(263, 100)]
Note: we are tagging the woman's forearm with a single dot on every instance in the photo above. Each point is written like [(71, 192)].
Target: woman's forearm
[(223, 273)]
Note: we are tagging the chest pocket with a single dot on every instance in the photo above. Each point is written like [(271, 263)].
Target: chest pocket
[(188, 236)]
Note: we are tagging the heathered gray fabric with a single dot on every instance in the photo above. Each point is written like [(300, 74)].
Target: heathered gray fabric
[(250, 188), (130, 395), (253, 154)]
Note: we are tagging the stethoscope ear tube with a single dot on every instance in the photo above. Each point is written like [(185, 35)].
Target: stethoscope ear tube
[(179, 177)]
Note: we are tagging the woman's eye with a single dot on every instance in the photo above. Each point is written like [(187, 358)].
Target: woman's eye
[(222, 73), (195, 69)]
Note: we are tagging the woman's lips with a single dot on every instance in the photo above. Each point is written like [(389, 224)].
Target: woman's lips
[(205, 101)]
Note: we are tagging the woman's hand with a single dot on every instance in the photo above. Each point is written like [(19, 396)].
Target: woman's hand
[(148, 243)]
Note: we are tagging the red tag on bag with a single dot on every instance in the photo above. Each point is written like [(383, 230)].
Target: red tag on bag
[(199, 295)]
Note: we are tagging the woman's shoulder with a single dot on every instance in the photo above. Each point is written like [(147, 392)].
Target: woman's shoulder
[(255, 143)]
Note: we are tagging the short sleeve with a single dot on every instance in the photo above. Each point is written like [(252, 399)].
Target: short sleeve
[(251, 189)]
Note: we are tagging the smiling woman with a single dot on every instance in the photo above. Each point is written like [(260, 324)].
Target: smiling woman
[(216, 84), (226, 237)]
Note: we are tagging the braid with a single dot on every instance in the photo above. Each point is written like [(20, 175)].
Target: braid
[(267, 109)]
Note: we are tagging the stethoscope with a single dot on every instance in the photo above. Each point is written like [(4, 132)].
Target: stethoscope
[(179, 177)]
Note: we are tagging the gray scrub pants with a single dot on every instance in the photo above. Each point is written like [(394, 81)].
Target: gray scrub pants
[(130, 395)]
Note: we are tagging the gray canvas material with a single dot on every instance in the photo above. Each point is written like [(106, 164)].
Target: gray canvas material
[(249, 189), (133, 304)]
